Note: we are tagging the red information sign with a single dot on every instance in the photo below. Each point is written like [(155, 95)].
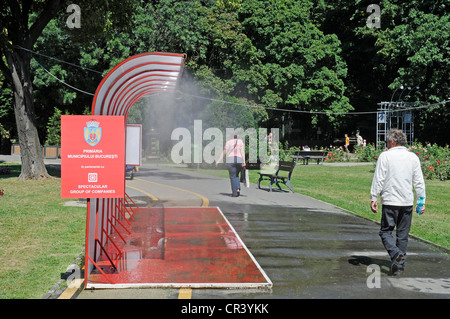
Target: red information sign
[(92, 156)]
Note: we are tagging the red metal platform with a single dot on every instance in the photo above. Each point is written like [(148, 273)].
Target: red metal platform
[(192, 247)]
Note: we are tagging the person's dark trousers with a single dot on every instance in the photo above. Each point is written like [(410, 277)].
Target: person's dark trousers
[(234, 166), (400, 217)]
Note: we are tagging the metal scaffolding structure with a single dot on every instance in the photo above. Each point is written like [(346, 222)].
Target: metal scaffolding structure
[(395, 115)]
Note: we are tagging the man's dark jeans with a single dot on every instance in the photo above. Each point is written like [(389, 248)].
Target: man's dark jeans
[(400, 217)]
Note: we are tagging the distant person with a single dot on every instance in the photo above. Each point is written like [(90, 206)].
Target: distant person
[(397, 172), (347, 142), (235, 159), (269, 139), (359, 140), (270, 143), (306, 157)]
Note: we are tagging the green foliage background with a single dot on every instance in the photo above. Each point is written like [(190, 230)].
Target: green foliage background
[(298, 55)]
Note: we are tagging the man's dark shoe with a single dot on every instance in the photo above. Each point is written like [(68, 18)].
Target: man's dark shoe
[(399, 272), (395, 261)]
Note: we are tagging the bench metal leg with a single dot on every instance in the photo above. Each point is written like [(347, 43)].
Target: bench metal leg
[(270, 184), (288, 184), (271, 181), (276, 182)]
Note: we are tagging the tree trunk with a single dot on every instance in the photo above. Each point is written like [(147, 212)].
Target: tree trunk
[(30, 148)]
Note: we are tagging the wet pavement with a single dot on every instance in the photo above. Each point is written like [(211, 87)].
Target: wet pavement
[(308, 248)]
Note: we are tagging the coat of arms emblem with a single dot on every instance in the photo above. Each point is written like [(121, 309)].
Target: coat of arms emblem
[(92, 133)]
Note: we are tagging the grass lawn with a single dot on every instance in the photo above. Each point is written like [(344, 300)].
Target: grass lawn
[(39, 236), (349, 187)]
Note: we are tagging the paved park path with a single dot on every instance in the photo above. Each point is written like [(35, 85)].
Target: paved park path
[(308, 248)]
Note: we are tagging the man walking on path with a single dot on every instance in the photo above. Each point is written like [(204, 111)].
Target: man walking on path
[(396, 172)]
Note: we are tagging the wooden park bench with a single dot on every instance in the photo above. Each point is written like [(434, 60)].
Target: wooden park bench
[(281, 173), (307, 155)]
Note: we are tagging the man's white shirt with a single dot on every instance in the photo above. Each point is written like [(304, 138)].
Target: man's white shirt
[(396, 172)]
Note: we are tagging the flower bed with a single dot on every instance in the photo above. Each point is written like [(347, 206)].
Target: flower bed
[(336, 154), (435, 160)]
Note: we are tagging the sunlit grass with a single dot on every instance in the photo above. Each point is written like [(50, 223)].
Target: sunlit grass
[(349, 187), (39, 236)]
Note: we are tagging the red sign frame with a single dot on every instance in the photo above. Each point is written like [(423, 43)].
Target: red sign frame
[(92, 156)]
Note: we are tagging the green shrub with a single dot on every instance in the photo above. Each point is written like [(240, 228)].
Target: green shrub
[(368, 153), (435, 159)]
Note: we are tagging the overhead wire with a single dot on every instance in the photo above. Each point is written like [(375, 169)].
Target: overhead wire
[(61, 81), (223, 101), (313, 112), (56, 59), (60, 61)]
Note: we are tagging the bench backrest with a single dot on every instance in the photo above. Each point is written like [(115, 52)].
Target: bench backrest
[(284, 166), (311, 153), (281, 166)]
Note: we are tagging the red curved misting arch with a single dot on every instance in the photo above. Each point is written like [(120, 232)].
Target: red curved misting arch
[(135, 77), (120, 89)]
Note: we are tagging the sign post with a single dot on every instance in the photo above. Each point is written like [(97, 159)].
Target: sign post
[(93, 156)]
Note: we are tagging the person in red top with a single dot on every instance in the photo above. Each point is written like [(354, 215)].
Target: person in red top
[(235, 158)]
